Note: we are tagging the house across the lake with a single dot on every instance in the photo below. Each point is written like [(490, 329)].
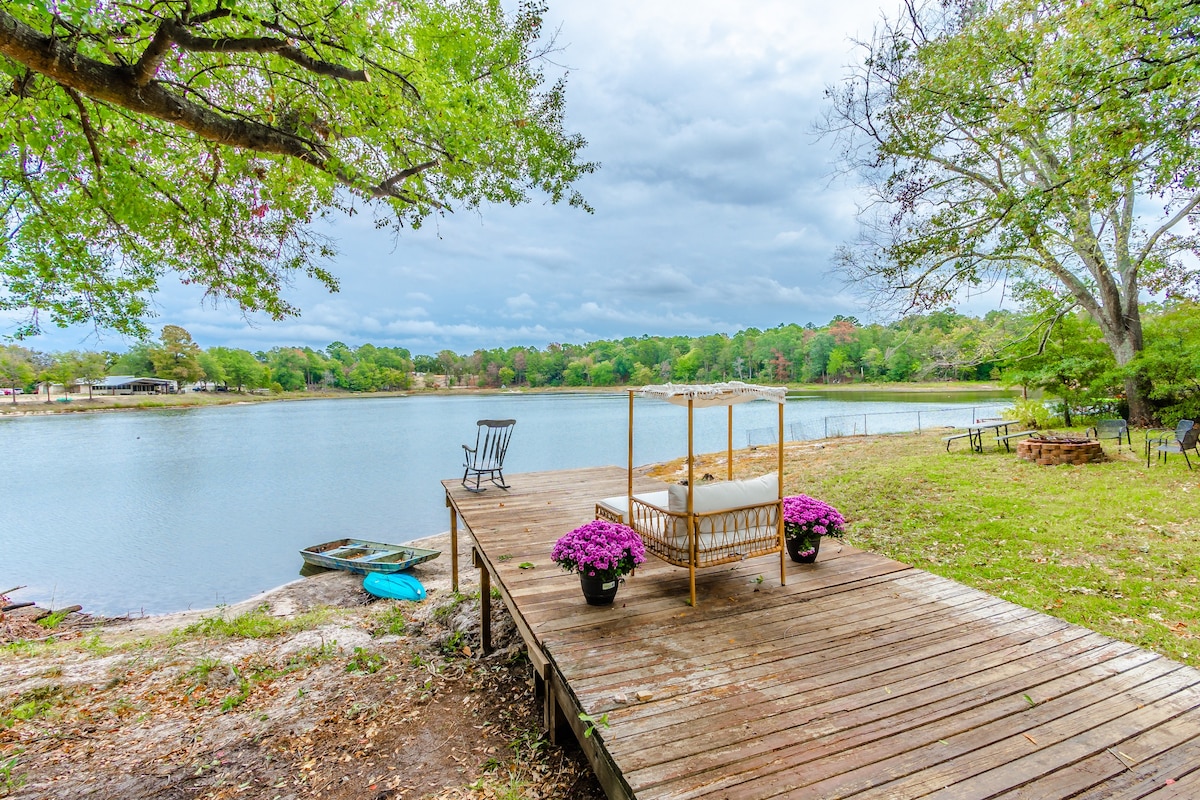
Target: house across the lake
[(128, 384), (112, 385)]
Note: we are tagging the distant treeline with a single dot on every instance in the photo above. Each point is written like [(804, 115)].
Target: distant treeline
[(1064, 356)]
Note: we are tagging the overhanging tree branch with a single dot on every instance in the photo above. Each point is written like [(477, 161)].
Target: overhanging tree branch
[(195, 137), (116, 85), (263, 44)]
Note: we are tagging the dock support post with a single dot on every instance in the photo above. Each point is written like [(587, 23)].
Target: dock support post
[(453, 544), (554, 718), (485, 603)]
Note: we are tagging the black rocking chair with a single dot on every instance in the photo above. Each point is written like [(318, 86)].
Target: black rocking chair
[(487, 456)]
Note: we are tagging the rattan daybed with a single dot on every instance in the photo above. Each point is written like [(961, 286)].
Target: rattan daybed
[(709, 524)]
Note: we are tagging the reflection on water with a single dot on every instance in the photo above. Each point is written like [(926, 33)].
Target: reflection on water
[(158, 511), (307, 570)]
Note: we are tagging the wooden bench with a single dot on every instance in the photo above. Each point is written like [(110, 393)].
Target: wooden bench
[(950, 439), (1016, 435)]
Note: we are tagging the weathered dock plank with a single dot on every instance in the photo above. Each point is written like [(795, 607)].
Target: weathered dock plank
[(862, 677)]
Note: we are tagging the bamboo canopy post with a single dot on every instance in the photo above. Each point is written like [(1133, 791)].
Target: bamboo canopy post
[(693, 534), (782, 545), (629, 492), (729, 446)]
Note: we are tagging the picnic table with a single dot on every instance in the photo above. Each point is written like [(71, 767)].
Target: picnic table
[(974, 434)]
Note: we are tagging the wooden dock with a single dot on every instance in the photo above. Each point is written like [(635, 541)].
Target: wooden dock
[(863, 677)]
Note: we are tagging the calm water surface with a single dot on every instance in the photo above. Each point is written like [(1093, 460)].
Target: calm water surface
[(160, 511)]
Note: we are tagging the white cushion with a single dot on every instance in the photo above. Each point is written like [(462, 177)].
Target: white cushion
[(620, 504), (712, 497), (726, 494), (707, 499)]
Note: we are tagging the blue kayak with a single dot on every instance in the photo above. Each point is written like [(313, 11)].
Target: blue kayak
[(394, 585)]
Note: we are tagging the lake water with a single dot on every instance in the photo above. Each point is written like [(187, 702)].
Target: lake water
[(160, 511)]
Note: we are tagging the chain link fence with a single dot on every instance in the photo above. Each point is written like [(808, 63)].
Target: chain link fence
[(877, 422)]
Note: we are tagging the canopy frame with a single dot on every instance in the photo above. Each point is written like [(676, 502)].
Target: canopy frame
[(695, 396)]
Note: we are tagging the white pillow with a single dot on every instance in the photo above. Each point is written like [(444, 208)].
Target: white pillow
[(726, 494)]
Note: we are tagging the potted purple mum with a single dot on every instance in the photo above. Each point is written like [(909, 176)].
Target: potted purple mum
[(602, 552), (805, 521)]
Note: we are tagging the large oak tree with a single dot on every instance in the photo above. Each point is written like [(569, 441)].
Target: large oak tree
[(1053, 146), (206, 137)]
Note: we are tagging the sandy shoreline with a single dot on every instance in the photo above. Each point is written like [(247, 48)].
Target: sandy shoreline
[(28, 405), (301, 594), (332, 587)]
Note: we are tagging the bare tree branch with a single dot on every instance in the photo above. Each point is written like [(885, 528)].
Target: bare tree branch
[(86, 122), (263, 44)]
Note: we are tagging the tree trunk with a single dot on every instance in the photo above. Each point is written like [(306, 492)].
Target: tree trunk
[(1123, 335), (1140, 412)]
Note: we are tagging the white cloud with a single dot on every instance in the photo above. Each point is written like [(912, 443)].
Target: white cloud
[(786, 238), (521, 305), (555, 257), (662, 320)]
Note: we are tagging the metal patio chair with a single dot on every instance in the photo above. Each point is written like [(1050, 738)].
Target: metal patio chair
[(486, 458), (1185, 438), (1112, 429)]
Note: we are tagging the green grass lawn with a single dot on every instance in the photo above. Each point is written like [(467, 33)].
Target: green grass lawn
[(1114, 547)]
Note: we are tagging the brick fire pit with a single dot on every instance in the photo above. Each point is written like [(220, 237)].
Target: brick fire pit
[(1051, 450)]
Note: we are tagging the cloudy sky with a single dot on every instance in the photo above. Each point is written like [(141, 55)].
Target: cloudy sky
[(716, 207)]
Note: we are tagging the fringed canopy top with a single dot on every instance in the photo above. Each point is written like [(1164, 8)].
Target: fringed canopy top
[(713, 394)]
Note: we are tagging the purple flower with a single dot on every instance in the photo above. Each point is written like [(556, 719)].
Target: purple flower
[(805, 516), (600, 549)]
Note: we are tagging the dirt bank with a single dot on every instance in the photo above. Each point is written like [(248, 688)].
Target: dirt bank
[(315, 689)]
